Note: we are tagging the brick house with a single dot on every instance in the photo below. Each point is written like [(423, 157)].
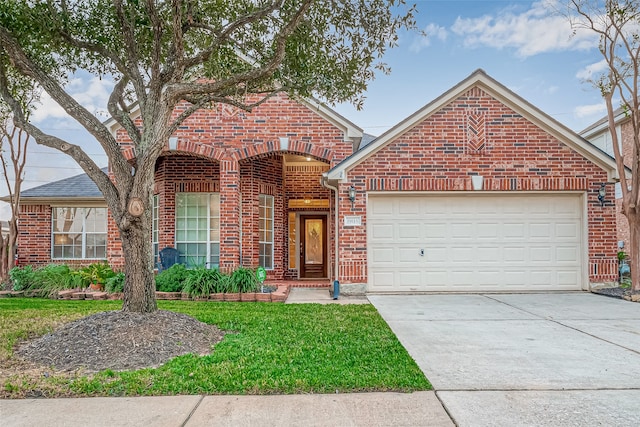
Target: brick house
[(477, 191)]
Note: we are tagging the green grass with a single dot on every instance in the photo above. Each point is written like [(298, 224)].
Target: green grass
[(277, 349)]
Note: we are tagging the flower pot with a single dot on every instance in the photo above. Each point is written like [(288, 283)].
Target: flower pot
[(232, 296), (96, 287), (248, 296)]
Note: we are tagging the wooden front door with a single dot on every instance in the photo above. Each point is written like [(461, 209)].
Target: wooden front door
[(313, 246)]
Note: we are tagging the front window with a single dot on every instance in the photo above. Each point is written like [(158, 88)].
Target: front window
[(266, 231), (79, 233), (155, 233), (198, 229)]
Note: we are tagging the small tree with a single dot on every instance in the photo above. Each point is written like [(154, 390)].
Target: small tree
[(617, 23), (163, 52), (13, 157)]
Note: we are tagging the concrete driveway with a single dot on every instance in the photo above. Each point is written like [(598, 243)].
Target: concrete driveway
[(556, 359)]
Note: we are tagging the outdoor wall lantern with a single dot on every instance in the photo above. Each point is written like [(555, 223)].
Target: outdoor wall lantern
[(352, 195), (173, 143), (602, 192)]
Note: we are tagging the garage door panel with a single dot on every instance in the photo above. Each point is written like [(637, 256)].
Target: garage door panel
[(381, 231), (567, 254), (567, 231), (475, 242), (410, 278), (513, 231), (461, 230), (540, 231), (541, 254), (381, 255), (409, 231), (489, 254)]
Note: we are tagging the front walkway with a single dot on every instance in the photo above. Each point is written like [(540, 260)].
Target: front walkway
[(552, 359), (320, 296)]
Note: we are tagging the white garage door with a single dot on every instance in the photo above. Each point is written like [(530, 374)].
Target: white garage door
[(471, 242)]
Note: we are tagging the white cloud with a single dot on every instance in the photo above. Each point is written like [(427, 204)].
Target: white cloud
[(531, 32), (582, 111), (90, 91), (431, 31), (588, 72)]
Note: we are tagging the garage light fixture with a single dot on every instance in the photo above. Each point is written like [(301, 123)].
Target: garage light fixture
[(602, 192), (352, 195)]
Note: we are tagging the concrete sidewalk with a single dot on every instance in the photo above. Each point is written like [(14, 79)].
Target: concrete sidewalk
[(321, 296), (357, 409)]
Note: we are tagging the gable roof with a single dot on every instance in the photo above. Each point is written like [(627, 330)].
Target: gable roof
[(602, 125), (75, 187), (479, 79)]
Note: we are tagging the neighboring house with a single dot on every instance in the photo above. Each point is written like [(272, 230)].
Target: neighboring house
[(598, 134), (477, 191)]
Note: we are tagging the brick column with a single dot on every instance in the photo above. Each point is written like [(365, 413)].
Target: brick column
[(229, 214)]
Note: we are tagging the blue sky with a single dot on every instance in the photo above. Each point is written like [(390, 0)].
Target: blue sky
[(522, 44)]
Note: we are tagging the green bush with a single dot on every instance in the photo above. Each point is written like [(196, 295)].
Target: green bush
[(56, 277), (201, 282), (245, 280), (23, 278), (171, 279), (225, 284), (115, 284), (50, 278)]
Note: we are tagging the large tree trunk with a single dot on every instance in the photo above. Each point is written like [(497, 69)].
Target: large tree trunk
[(139, 288)]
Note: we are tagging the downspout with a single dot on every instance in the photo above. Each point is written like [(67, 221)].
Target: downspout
[(325, 183)]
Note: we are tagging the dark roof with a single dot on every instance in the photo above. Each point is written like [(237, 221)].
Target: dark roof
[(367, 139), (79, 186)]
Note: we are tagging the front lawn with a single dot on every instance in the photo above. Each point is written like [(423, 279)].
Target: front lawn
[(276, 349)]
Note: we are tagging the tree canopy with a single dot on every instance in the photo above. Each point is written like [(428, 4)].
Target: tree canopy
[(160, 53)]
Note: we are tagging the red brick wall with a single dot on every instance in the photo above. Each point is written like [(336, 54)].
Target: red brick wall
[(34, 238), (512, 154)]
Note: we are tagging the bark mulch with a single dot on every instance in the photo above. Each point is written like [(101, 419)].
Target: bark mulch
[(121, 341)]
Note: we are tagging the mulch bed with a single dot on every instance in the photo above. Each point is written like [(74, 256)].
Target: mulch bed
[(120, 340), (618, 292)]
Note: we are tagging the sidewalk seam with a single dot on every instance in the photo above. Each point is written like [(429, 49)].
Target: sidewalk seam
[(195, 408)]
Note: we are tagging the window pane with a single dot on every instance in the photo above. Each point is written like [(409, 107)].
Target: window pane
[(197, 227), (265, 231), (79, 233), (293, 249)]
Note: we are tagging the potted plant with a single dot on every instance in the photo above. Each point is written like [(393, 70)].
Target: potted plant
[(95, 275)]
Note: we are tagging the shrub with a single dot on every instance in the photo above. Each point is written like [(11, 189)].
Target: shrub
[(171, 279), (56, 277), (201, 282), (245, 280), (23, 278), (115, 284)]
